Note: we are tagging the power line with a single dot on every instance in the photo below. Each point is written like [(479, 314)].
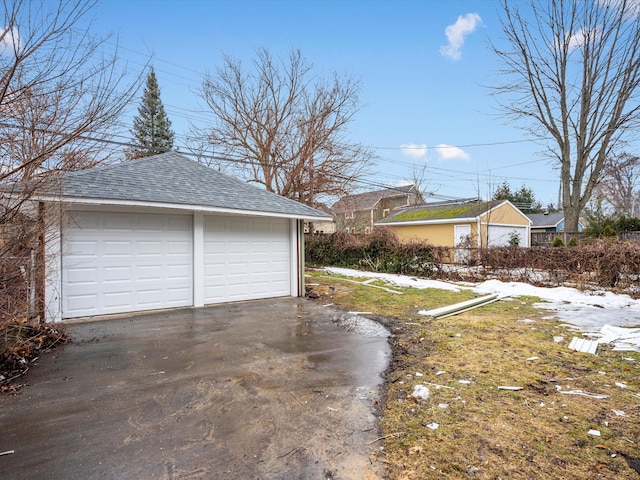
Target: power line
[(205, 156), (444, 147), (204, 112)]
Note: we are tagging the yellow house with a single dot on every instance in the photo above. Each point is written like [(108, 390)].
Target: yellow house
[(469, 222)]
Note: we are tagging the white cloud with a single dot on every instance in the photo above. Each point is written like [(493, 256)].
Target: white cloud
[(632, 7), (402, 183), (414, 151), (449, 152), (457, 34), (577, 39), (9, 41)]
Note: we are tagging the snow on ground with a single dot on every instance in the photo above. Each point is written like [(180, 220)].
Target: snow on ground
[(399, 280), (588, 311)]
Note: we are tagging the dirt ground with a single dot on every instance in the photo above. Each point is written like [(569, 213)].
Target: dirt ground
[(272, 389)]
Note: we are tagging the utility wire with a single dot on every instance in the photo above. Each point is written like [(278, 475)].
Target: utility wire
[(206, 156)]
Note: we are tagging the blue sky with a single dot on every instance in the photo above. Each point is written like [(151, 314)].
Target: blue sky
[(420, 86)]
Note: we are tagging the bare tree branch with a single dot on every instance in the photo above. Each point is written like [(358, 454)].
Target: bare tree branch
[(287, 127), (571, 76), (62, 90), (620, 184)]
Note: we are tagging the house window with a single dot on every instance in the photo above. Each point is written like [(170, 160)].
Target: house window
[(385, 212), (367, 230), (348, 215)]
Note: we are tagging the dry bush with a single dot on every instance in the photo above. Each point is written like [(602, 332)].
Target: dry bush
[(600, 263), (597, 264), (23, 334), (381, 251)]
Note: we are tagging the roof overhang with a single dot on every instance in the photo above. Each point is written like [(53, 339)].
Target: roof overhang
[(176, 206), (428, 222), (495, 207)]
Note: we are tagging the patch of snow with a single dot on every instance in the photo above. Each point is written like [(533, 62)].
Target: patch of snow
[(399, 280), (420, 392), (361, 325), (588, 311)]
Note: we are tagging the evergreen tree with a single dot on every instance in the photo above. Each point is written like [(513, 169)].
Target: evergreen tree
[(523, 198), (151, 127)]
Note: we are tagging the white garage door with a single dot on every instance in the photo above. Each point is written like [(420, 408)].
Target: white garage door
[(125, 262), (500, 235), (246, 258)]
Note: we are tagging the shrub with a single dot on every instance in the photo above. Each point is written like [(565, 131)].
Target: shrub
[(605, 263), (380, 252), (609, 231), (557, 242)]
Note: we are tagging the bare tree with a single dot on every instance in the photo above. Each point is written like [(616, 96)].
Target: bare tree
[(571, 73), (62, 90), (285, 126), (620, 184)]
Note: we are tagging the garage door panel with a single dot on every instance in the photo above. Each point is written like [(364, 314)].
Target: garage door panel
[(115, 274), (83, 276), (148, 272), (151, 223), (240, 226), (244, 258), (179, 248), (117, 248), (82, 302), (178, 223), (149, 248), (175, 296), (116, 300), (81, 248), (118, 221), (179, 273), (150, 298), (258, 268), (138, 262)]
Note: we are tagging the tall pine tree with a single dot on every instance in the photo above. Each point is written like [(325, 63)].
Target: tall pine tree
[(151, 127)]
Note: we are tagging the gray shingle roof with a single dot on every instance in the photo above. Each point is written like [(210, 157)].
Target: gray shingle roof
[(175, 179), (545, 220), (368, 200)]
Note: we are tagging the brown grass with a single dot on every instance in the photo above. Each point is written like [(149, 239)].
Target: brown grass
[(484, 432)]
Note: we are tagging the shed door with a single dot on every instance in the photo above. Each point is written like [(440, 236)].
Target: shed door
[(126, 262), (501, 235), (246, 258), (462, 235)]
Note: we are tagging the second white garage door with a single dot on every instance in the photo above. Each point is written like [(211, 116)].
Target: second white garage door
[(246, 258)]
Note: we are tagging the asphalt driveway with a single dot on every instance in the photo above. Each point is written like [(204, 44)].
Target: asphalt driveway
[(271, 389)]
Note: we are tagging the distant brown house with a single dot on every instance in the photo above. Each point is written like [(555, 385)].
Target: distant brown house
[(358, 213), (322, 226)]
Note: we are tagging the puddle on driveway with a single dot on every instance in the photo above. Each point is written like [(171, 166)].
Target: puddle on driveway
[(353, 322), (272, 389)]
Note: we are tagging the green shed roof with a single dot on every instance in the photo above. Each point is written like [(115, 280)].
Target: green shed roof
[(440, 211)]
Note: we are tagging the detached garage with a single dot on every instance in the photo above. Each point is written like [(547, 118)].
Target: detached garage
[(164, 232), (469, 222)]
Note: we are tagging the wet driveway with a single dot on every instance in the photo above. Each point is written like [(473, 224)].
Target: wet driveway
[(271, 389)]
